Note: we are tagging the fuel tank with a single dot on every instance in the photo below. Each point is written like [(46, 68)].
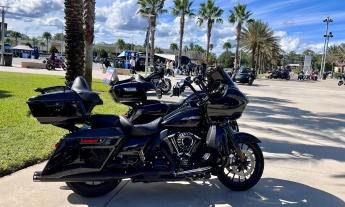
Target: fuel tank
[(184, 117)]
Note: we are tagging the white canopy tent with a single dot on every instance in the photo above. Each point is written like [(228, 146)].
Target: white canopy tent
[(23, 47), (167, 56)]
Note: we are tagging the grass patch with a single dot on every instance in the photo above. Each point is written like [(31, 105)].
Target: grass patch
[(23, 140)]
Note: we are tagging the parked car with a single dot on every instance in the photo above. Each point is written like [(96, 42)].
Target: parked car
[(245, 75)]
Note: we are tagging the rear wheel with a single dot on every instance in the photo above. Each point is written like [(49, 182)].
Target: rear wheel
[(165, 85), (93, 188), (240, 176)]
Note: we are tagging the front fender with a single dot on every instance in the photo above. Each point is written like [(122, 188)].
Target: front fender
[(242, 137)]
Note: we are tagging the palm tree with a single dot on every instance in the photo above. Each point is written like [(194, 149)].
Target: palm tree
[(8, 41), (209, 13), (35, 42), (121, 44), (74, 39), (151, 9), (227, 46), (16, 35), (42, 44), (182, 9), (241, 16), (173, 47), (47, 36), (89, 21), (260, 40)]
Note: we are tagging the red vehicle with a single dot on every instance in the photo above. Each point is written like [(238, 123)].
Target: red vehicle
[(52, 63)]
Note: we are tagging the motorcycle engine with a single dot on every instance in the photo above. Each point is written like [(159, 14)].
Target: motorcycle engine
[(183, 146)]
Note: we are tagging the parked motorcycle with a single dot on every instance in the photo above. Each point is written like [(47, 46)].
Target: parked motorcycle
[(280, 74), (56, 63), (193, 142), (144, 111), (341, 81), (156, 78)]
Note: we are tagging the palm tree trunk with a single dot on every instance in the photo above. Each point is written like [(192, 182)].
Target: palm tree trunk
[(238, 39), (47, 45), (89, 20), (181, 39), (253, 56), (74, 39), (153, 30), (209, 29)]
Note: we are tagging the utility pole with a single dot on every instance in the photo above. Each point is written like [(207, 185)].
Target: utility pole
[(3, 35), (325, 48)]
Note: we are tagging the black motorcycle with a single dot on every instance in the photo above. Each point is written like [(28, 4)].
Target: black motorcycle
[(341, 81), (193, 142), (156, 78), (142, 110)]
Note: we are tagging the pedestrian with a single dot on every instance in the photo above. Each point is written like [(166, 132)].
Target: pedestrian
[(106, 63), (132, 63)]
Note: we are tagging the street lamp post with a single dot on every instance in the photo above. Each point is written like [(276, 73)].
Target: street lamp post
[(325, 48)]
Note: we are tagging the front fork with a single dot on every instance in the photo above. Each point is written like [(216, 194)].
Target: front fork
[(233, 142)]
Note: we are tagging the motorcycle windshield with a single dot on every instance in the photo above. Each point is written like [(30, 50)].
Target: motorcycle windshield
[(218, 75)]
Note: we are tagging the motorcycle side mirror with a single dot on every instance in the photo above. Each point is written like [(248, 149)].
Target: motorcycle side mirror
[(159, 93)]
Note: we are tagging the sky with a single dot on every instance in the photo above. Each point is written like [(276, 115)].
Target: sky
[(298, 23)]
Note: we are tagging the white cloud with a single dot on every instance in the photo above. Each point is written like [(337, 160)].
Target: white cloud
[(286, 42)]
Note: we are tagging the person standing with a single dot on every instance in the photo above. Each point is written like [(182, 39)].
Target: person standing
[(132, 63)]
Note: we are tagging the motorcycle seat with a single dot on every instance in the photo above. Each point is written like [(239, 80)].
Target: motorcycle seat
[(81, 87), (140, 130), (140, 78)]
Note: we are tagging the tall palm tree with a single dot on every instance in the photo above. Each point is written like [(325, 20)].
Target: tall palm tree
[(211, 14), (16, 35), (74, 39), (182, 8), (47, 36), (227, 46), (151, 9), (42, 44), (121, 44), (260, 40), (35, 42), (173, 47), (241, 16), (89, 21)]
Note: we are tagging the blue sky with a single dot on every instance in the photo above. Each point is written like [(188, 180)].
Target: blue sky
[(298, 23)]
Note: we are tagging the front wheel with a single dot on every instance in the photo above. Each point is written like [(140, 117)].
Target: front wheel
[(165, 85), (93, 189), (240, 176), (251, 81)]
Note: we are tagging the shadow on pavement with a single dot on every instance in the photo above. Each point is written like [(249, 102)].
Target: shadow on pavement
[(269, 192), (5, 94)]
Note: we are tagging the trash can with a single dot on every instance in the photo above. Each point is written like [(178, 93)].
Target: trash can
[(8, 57)]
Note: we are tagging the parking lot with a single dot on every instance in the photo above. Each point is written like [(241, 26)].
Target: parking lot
[(302, 127)]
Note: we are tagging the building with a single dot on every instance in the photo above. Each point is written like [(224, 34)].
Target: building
[(339, 67)]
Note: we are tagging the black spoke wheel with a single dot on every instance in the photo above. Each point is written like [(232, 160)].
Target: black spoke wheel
[(240, 176), (93, 188), (165, 85)]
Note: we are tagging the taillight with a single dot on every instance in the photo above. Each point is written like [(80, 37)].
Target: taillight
[(89, 141)]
